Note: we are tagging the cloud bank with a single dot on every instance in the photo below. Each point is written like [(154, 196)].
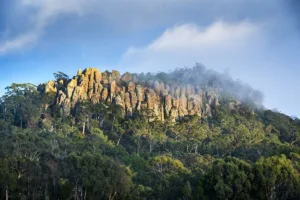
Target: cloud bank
[(45, 11), (124, 16), (186, 44)]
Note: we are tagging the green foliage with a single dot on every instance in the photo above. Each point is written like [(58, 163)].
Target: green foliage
[(162, 76), (96, 153), (230, 178), (61, 76), (276, 177), (21, 105)]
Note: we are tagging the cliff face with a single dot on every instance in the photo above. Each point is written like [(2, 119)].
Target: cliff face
[(170, 101)]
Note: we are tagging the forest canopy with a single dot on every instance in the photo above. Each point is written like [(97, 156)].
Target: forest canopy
[(239, 152)]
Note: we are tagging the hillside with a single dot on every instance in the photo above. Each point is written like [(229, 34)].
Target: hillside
[(188, 134), (166, 96)]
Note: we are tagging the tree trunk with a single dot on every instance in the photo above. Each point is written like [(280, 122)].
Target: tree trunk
[(112, 196), (76, 195), (6, 193), (88, 124), (46, 190), (112, 126), (293, 142), (150, 147), (81, 195), (101, 122), (119, 140), (83, 128)]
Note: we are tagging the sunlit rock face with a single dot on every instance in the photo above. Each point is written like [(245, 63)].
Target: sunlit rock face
[(162, 101)]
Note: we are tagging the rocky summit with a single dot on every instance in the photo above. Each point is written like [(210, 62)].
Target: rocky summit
[(165, 101)]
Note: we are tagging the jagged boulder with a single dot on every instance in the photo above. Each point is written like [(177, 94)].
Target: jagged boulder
[(49, 87)]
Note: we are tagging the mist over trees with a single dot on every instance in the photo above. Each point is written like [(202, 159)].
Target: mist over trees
[(237, 153), (199, 75), (205, 78)]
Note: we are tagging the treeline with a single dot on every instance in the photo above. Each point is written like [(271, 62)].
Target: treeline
[(238, 153)]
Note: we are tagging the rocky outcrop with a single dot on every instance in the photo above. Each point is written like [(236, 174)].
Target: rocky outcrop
[(162, 101), (49, 87)]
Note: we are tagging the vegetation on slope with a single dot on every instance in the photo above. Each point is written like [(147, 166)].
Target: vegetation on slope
[(238, 153)]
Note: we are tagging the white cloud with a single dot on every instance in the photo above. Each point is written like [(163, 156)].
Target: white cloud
[(18, 42), (191, 36), (133, 12), (130, 15), (188, 43), (46, 10)]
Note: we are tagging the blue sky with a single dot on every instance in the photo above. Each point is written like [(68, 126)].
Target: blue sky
[(258, 41)]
